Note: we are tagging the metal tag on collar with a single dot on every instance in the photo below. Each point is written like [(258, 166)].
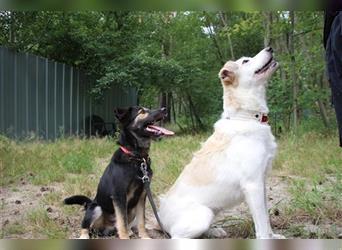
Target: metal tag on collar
[(143, 168)]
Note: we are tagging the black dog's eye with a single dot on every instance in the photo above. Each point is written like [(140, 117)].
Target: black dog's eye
[(245, 61)]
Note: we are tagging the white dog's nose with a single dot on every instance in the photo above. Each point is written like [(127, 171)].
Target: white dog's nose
[(269, 49)]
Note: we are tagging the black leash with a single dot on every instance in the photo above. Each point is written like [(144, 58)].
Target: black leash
[(146, 181)]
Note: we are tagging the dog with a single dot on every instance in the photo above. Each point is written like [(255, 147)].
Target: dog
[(120, 194), (231, 165)]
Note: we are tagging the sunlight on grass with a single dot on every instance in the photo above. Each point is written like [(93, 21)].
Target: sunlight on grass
[(308, 155)]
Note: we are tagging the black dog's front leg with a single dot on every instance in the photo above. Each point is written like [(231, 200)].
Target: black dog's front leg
[(141, 217), (120, 207)]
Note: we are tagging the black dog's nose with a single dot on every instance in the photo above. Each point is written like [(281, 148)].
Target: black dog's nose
[(269, 49)]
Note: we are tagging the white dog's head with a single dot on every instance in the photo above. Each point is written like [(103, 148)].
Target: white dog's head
[(244, 81), (249, 70)]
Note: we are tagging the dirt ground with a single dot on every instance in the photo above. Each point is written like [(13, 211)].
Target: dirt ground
[(17, 200)]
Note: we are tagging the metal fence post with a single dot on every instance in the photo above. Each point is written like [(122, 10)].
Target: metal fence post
[(55, 101), (2, 94), (37, 97), (46, 99), (71, 86), (15, 96), (77, 103)]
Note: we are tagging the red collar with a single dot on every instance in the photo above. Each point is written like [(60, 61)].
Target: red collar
[(126, 151), (264, 119), (258, 116)]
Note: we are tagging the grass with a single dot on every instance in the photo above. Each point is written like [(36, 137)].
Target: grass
[(42, 226), (311, 163), (311, 154), (15, 228), (48, 162), (169, 156)]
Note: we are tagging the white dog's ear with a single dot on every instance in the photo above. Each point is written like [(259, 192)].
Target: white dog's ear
[(227, 73)]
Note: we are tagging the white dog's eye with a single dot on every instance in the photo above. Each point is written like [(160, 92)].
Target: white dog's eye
[(245, 61)]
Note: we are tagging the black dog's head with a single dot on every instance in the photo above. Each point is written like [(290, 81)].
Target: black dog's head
[(137, 126)]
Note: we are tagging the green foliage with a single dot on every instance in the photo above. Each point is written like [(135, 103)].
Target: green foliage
[(179, 54), (247, 33)]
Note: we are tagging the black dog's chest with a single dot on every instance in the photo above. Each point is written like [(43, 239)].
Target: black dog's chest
[(136, 188), (121, 183)]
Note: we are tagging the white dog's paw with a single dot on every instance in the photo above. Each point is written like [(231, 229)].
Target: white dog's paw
[(278, 236), (84, 234), (84, 237), (216, 232), (146, 238), (130, 233)]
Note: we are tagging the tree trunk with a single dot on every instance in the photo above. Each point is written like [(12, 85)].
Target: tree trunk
[(168, 106), (320, 103), (268, 28), (293, 74), (166, 97), (225, 25), (323, 112), (191, 115), (209, 25), (164, 102), (173, 109), (199, 123)]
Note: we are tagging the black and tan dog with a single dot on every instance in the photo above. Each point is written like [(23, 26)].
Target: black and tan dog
[(121, 197)]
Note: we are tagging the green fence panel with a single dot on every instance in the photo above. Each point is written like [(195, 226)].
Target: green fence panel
[(47, 99)]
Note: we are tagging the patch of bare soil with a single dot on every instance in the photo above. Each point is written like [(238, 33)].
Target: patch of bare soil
[(17, 201)]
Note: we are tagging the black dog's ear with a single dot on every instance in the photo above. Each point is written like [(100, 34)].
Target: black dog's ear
[(122, 113)]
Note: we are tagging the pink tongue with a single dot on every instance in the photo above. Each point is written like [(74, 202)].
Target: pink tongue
[(163, 131)]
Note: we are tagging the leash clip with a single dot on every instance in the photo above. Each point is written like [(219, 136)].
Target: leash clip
[(143, 168)]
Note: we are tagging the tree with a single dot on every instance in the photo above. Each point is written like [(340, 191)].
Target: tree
[(293, 72), (172, 58)]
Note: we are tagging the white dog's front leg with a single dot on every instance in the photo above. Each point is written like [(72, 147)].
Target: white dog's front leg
[(255, 194)]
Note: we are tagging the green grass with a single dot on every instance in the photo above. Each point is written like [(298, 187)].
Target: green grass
[(15, 228), (308, 155), (42, 226), (314, 163), (311, 163), (169, 156), (45, 162)]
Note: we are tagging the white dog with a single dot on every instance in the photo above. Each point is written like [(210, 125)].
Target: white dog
[(232, 164)]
